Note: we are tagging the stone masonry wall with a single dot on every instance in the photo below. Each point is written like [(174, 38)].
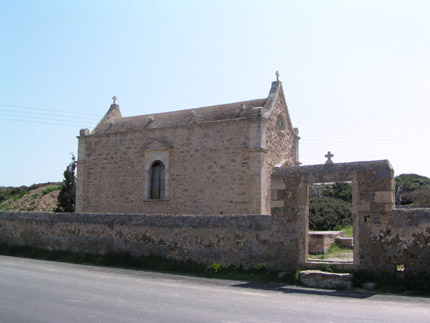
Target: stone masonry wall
[(281, 144), (227, 239), (388, 241), (399, 240), (384, 238), (208, 174)]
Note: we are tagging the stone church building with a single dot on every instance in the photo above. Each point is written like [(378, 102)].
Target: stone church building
[(210, 160)]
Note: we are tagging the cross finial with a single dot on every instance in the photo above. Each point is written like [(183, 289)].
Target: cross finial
[(329, 156), (114, 99), (277, 76)]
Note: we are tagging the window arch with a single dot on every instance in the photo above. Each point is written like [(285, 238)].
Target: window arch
[(157, 185)]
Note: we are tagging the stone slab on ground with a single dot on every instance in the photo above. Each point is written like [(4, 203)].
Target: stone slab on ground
[(321, 279)]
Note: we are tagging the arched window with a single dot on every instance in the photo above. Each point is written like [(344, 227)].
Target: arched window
[(157, 180)]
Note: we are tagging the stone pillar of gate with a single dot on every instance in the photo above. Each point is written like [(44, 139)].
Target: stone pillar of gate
[(286, 204), (375, 207)]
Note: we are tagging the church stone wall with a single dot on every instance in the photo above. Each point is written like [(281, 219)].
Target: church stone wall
[(209, 166), (218, 160), (281, 144)]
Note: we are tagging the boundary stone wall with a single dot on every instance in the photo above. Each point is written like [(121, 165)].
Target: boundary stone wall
[(401, 238), (227, 239)]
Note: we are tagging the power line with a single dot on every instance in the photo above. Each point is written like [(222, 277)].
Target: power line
[(39, 118), (361, 135), (51, 123), (365, 144), (52, 110), (47, 114), (352, 138), (406, 141)]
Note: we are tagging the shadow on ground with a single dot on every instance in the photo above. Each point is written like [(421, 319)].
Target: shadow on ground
[(303, 290)]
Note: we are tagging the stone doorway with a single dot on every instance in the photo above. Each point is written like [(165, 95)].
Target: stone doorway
[(304, 237), (330, 231), (372, 208)]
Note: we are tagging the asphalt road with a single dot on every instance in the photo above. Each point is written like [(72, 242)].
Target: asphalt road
[(43, 291)]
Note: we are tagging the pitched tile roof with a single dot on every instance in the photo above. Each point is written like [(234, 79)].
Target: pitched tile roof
[(230, 111), (114, 122)]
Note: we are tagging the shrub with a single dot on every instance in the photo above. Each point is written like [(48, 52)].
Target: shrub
[(341, 191), (407, 185), (8, 192), (17, 197), (421, 198), (328, 213), (330, 206), (51, 189)]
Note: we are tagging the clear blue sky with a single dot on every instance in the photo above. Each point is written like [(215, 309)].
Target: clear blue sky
[(356, 74)]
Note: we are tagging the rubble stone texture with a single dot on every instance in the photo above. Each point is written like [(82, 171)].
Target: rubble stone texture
[(385, 238)]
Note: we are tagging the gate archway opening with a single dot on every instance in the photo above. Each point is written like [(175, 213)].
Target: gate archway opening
[(330, 230)]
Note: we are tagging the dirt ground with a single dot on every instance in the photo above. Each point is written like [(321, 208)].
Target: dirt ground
[(34, 201)]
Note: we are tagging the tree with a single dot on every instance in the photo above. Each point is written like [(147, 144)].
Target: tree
[(66, 197), (330, 206), (339, 190), (328, 213)]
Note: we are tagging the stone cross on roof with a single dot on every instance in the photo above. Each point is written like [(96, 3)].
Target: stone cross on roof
[(277, 76), (329, 155), (114, 99)]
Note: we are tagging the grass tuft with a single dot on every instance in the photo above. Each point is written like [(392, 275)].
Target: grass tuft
[(51, 189)]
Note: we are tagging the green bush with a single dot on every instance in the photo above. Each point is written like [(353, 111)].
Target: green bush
[(8, 192), (330, 206), (51, 189), (412, 189), (341, 191), (4, 207), (421, 197), (17, 197), (327, 213)]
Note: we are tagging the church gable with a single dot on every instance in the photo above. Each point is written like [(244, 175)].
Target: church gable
[(277, 105), (108, 120)]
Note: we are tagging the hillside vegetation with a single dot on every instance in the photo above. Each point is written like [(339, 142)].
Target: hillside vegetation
[(35, 198), (412, 189)]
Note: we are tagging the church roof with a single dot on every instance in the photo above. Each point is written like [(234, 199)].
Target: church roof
[(113, 122)]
